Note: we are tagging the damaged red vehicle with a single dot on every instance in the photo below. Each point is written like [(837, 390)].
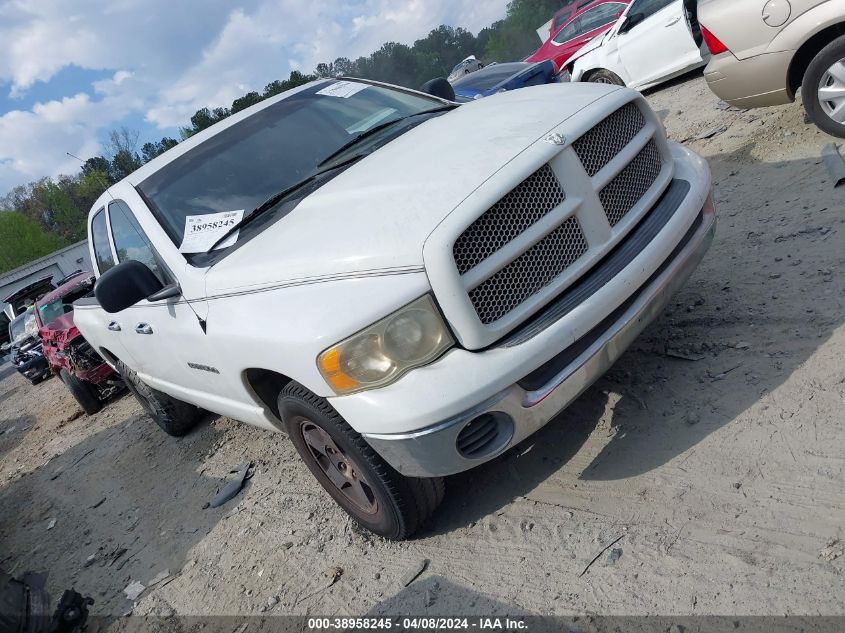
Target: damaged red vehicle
[(87, 376)]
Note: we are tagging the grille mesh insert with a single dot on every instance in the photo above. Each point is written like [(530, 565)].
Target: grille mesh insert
[(623, 192), (532, 271), (529, 202), (599, 146)]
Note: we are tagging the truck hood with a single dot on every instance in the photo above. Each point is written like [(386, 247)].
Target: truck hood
[(375, 217)]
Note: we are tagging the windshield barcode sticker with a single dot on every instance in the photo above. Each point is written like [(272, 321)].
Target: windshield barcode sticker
[(201, 231), (342, 89)]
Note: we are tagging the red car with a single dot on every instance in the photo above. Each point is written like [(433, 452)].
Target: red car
[(87, 376), (576, 25)]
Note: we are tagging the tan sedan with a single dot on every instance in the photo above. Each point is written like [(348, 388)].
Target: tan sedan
[(765, 50)]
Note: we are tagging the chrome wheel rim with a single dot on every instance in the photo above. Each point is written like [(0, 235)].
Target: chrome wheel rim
[(832, 92), (343, 473)]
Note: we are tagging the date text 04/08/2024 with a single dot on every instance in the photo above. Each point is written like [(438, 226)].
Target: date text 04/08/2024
[(422, 623)]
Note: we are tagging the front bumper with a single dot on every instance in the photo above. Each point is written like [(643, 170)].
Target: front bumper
[(519, 412), (757, 82), (35, 368)]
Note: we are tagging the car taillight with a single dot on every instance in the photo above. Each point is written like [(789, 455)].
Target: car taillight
[(713, 43)]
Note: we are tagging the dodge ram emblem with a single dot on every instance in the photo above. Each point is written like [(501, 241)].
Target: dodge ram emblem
[(556, 139)]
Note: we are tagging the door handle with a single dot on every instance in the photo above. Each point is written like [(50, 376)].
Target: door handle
[(114, 326), (143, 328), (673, 21)]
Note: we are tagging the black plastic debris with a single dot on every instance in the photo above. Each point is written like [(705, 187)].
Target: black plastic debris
[(835, 164), (233, 486)]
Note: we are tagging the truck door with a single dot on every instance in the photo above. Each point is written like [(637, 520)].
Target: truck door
[(110, 338), (165, 338)]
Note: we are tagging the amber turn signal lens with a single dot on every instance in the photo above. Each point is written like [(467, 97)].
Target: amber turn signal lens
[(330, 367)]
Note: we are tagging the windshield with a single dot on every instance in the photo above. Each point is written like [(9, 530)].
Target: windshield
[(247, 163), (491, 76), (49, 312), (23, 326)]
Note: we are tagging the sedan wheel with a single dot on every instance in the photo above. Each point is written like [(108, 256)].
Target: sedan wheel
[(823, 88), (832, 92)]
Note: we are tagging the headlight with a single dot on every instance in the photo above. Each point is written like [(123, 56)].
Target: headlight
[(382, 353)]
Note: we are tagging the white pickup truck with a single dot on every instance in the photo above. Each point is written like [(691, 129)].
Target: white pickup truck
[(407, 287)]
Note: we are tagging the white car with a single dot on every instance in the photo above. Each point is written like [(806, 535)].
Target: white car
[(406, 286), (464, 68), (649, 44)]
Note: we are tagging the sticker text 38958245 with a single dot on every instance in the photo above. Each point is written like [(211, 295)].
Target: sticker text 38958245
[(201, 231)]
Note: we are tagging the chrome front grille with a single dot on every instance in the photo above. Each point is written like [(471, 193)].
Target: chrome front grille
[(529, 202), (529, 273), (622, 193), (600, 145)]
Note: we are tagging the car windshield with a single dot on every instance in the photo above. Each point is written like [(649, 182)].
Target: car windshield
[(245, 164), (49, 312), (490, 76), (22, 327)]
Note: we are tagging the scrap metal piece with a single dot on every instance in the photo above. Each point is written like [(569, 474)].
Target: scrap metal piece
[(835, 164), (134, 590), (233, 487), (413, 573)]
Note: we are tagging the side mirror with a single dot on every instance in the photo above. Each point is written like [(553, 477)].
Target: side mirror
[(439, 88), (125, 285), (631, 21)]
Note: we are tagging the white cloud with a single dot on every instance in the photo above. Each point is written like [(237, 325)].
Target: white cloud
[(167, 59), (256, 46), (34, 144)]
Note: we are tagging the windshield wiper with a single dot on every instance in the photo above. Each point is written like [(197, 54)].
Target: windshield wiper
[(375, 130), (276, 198)]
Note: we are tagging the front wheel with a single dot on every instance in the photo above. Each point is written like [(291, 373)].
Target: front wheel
[(374, 494), (83, 392), (823, 88), (605, 77)]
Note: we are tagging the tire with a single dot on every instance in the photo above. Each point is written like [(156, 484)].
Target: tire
[(375, 495), (174, 417), (691, 17), (84, 392), (603, 76), (817, 74)]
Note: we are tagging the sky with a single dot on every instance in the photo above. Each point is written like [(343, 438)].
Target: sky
[(71, 70)]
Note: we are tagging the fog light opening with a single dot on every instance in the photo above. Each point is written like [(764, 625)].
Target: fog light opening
[(485, 435)]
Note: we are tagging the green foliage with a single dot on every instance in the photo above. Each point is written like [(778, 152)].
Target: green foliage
[(62, 216), (438, 53), (515, 37), (295, 80), (242, 103), (123, 164), (96, 164), (157, 148), (23, 241)]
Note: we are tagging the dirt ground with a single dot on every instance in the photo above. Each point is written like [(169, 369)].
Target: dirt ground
[(712, 450)]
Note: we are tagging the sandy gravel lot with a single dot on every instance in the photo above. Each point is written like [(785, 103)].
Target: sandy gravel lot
[(713, 449)]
